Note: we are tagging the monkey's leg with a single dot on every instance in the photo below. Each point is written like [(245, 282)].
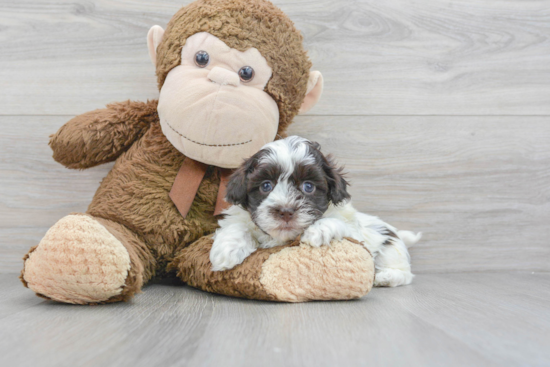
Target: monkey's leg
[(292, 273), (87, 260)]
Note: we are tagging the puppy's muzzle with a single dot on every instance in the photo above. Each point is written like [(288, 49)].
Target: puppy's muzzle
[(286, 214)]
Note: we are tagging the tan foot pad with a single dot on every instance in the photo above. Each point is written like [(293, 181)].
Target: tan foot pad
[(343, 270), (78, 261)]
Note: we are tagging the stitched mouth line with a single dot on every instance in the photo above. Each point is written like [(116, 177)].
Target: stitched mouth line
[(204, 144)]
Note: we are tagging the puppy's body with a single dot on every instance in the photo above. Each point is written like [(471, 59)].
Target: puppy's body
[(289, 189)]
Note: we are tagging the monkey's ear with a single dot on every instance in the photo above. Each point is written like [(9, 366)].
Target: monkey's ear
[(154, 36), (313, 92)]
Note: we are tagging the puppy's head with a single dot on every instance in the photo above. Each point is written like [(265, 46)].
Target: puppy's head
[(287, 186)]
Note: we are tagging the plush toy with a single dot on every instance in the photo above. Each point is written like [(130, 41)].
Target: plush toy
[(232, 75)]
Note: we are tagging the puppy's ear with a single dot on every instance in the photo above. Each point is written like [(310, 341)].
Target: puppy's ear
[(237, 187), (337, 184), (236, 192), (315, 145)]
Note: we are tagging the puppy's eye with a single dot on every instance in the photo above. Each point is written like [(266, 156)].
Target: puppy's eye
[(246, 74), (266, 186), (202, 59), (308, 187)]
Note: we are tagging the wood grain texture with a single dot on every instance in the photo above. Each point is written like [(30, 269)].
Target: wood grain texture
[(476, 186), (498, 319), (457, 57)]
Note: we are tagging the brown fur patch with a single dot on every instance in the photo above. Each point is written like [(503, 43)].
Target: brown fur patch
[(391, 234), (22, 275), (142, 262), (102, 135), (243, 24)]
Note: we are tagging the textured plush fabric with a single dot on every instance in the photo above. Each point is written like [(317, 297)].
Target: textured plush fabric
[(243, 24), (343, 270), (290, 273), (63, 268)]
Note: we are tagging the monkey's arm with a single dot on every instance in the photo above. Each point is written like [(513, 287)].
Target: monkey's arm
[(100, 136)]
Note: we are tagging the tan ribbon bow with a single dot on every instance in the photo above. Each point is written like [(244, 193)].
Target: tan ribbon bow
[(187, 183)]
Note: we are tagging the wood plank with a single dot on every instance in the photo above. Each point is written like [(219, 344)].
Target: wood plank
[(458, 57), (15, 297), (477, 187), (441, 319)]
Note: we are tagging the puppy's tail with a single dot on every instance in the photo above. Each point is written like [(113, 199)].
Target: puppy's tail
[(409, 238)]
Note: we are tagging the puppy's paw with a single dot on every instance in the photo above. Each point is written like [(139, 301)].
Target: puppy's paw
[(313, 238), (317, 235), (392, 278), (228, 252), (226, 261), (324, 231)]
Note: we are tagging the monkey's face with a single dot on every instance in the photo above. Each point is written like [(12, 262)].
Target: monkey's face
[(213, 108)]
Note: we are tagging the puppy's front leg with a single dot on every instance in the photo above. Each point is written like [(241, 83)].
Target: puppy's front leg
[(232, 244), (324, 231)]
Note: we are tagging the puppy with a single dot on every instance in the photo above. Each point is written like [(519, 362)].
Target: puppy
[(289, 188)]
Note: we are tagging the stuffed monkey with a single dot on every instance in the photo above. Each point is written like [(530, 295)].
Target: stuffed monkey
[(232, 74)]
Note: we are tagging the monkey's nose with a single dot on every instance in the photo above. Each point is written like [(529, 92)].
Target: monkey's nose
[(223, 76), (285, 214)]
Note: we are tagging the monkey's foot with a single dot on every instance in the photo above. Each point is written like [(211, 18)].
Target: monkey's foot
[(291, 273), (78, 261)]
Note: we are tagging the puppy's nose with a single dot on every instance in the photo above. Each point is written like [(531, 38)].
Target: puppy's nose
[(285, 214)]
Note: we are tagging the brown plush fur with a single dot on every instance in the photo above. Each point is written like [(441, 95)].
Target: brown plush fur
[(192, 265), (243, 24), (142, 262), (100, 136), (135, 194)]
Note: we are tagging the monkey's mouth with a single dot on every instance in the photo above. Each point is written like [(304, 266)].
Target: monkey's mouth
[(204, 144)]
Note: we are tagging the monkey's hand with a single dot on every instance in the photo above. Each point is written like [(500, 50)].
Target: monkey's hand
[(100, 136)]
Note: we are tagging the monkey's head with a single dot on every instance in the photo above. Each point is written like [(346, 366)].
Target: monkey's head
[(232, 75)]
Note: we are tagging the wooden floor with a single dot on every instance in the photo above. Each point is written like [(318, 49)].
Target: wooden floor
[(440, 111), (474, 319)]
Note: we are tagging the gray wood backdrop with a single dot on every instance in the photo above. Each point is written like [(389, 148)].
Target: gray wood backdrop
[(439, 109)]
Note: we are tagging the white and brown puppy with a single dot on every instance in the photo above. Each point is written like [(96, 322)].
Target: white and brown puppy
[(289, 188)]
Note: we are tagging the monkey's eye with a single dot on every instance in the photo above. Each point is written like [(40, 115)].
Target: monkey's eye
[(202, 58), (246, 74), (308, 187), (266, 186)]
